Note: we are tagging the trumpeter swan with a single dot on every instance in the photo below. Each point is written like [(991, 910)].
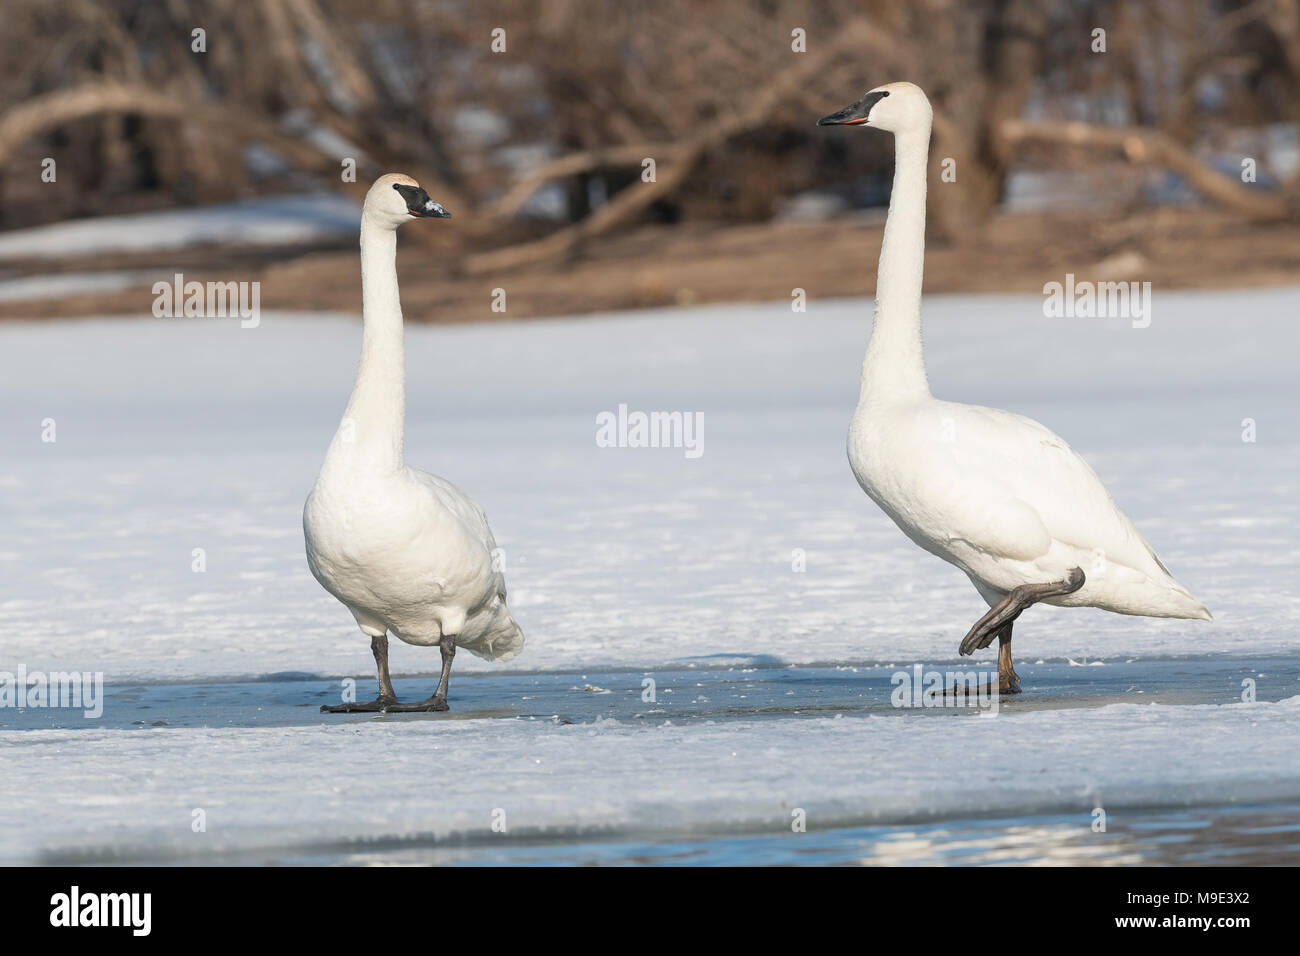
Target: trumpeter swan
[(996, 494), (405, 551)]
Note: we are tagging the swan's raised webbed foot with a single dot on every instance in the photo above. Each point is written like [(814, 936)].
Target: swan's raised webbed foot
[(438, 702), (387, 698), (1009, 608)]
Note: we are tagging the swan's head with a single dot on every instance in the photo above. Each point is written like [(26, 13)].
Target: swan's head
[(896, 107), (395, 199)]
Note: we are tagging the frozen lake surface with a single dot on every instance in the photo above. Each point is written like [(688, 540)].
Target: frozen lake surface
[(707, 693), (724, 760), (772, 683)]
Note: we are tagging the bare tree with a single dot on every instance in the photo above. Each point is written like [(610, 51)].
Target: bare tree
[(488, 101)]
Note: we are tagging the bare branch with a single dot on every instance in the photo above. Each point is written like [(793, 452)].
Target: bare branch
[(1155, 148)]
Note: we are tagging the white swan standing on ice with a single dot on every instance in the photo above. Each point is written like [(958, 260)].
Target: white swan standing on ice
[(996, 494), (405, 551)]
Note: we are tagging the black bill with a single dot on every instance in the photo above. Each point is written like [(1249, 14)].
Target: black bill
[(419, 204), (856, 114)]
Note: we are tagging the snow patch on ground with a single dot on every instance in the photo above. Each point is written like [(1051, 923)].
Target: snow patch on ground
[(275, 220)]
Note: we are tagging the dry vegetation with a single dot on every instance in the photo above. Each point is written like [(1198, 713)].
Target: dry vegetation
[(587, 89)]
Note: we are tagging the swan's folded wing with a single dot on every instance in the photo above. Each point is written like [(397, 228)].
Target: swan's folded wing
[(471, 518), (1034, 466), (465, 509)]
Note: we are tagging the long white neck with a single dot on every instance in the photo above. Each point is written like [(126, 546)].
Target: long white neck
[(370, 434), (894, 369)]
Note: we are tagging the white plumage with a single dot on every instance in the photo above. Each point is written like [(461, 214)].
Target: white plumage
[(407, 552), (994, 493), (1009, 502)]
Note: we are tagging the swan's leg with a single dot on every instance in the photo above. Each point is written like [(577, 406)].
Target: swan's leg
[(387, 696), (438, 701), (1009, 608), (379, 647), (448, 648), (1008, 679)]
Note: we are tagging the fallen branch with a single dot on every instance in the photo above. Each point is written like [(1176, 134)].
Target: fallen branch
[(570, 165), (681, 159), (1146, 146), (623, 205), (51, 110)]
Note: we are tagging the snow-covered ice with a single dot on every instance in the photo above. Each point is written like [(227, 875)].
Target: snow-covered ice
[(184, 434), (178, 434), (286, 789)]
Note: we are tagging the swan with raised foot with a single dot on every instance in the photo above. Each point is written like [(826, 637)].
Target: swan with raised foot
[(405, 551), (995, 494)]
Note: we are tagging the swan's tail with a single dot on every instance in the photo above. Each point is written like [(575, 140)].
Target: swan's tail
[(1180, 600), (1184, 605), (1165, 598)]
